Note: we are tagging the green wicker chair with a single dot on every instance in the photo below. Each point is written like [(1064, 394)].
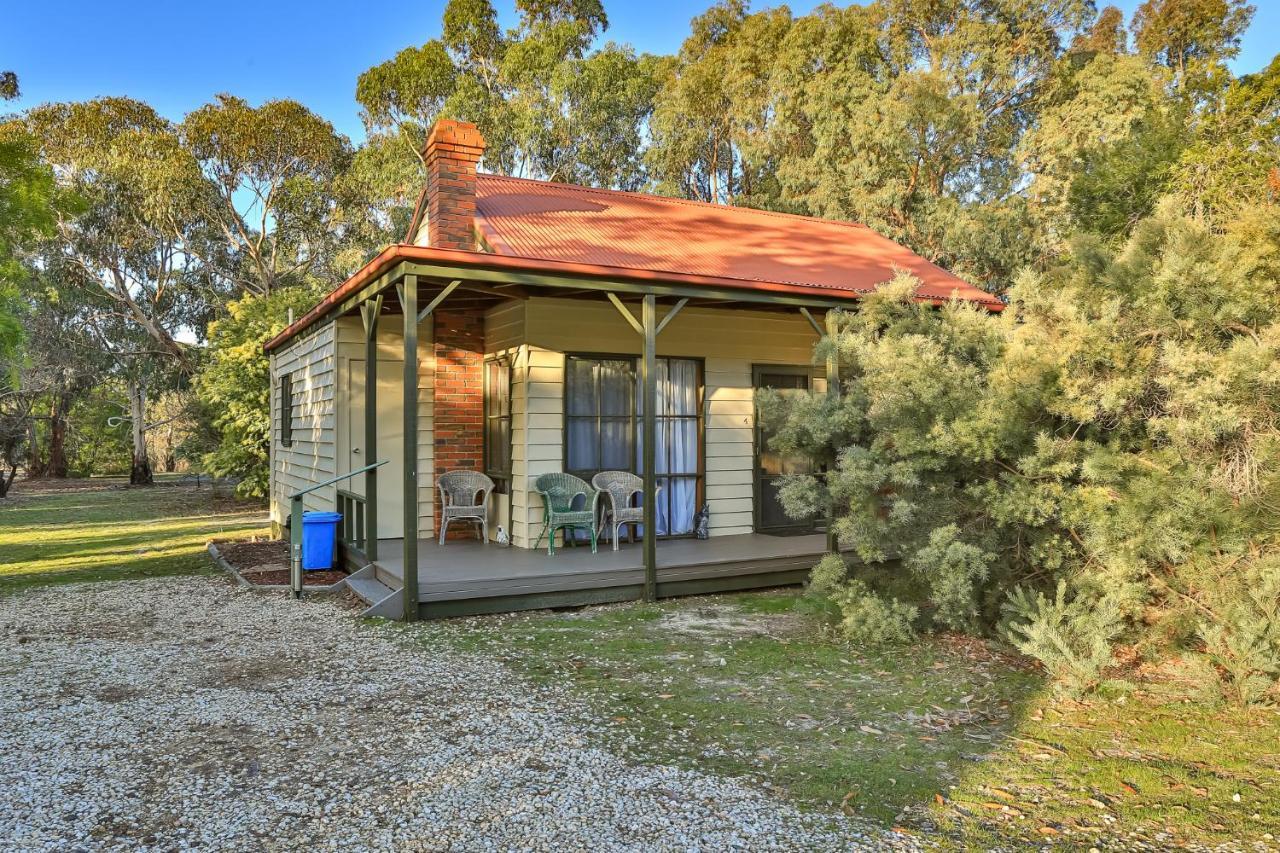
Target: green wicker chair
[(559, 491)]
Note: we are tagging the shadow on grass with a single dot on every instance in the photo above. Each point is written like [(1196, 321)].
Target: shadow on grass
[(68, 536), (746, 685)]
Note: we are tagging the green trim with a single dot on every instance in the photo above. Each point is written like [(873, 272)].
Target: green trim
[(671, 315), (503, 360), (812, 322), (408, 291), (699, 476), (286, 409), (370, 312), (649, 456), (439, 297)]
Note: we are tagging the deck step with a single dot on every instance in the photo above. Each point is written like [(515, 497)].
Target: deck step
[(370, 589), (384, 597), (388, 576)]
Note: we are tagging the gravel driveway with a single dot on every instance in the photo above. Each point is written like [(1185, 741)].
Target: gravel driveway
[(183, 713)]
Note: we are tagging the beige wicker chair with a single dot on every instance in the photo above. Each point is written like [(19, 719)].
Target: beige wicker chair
[(621, 487), (458, 500)]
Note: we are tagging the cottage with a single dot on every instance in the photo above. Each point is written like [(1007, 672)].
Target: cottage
[(529, 327)]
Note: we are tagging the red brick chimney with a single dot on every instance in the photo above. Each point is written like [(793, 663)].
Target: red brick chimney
[(452, 152)]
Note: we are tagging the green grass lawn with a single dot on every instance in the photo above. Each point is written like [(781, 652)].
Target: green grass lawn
[(948, 735), (100, 530)]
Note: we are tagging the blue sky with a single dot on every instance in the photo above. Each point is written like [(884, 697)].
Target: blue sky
[(177, 54)]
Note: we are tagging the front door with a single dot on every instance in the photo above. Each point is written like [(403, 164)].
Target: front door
[(771, 465), (390, 442)]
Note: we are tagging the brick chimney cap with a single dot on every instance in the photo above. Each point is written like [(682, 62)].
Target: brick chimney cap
[(447, 131)]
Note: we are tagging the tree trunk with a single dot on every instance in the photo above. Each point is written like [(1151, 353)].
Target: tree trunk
[(35, 468), (57, 465), (6, 483), (140, 473)]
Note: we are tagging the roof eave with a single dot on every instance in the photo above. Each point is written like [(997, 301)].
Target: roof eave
[(716, 286)]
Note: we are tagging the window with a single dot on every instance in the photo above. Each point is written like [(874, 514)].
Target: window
[(286, 410), (497, 423), (603, 410)]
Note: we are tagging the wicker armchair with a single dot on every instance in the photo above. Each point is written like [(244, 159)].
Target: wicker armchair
[(458, 500), (559, 491), (621, 487)]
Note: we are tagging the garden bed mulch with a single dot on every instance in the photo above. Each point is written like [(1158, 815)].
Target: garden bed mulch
[(265, 563)]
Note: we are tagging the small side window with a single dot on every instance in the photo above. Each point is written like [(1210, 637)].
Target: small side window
[(286, 410)]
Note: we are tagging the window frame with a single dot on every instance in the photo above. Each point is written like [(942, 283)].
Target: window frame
[(286, 409), (758, 446), (500, 476), (699, 476)]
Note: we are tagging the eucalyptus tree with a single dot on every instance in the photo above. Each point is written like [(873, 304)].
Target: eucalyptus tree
[(269, 203), (125, 252), (713, 114), (27, 200), (1234, 161), (548, 104), (906, 116), (1193, 39), (1106, 136)]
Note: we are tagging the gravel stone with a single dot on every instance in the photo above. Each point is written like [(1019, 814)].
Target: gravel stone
[(187, 713)]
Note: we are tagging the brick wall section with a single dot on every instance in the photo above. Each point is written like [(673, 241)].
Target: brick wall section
[(452, 152), (459, 399)]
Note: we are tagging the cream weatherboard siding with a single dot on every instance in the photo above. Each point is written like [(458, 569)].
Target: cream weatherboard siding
[(310, 361), (729, 342), (536, 334), (391, 349)]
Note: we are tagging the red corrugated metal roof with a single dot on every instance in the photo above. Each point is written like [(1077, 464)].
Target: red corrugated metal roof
[(561, 222)]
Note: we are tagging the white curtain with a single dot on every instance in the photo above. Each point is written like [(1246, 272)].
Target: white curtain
[(676, 448)]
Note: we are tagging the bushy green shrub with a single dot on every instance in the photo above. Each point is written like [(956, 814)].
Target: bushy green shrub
[(1242, 637), (1072, 639), (868, 619), (954, 571), (1114, 429), (865, 618), (235, 385)]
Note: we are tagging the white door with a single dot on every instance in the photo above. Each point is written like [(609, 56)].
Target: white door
[(390, 442)]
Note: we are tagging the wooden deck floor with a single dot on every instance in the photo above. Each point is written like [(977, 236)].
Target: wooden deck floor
[(468, 577)]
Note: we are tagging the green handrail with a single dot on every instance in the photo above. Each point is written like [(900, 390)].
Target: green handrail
[(295, 523)]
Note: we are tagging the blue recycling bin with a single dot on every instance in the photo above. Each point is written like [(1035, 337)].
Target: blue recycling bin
[(319, 539)]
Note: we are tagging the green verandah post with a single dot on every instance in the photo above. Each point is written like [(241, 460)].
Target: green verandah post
[(649, 329), (408, 291), (649, 430), (833, 392), (369, 313), (295, 545)]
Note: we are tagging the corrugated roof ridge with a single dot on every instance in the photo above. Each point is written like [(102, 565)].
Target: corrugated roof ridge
[(991, 298), (670, 199)]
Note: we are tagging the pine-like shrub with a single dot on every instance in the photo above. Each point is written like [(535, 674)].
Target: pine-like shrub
[(868, 619), (864, 617), (1072, 639), (1242, 637), (1110, 433)]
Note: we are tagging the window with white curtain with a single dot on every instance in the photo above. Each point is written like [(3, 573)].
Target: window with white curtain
[(603, 431)]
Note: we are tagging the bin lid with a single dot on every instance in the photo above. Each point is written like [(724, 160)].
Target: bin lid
[(321, 517)]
